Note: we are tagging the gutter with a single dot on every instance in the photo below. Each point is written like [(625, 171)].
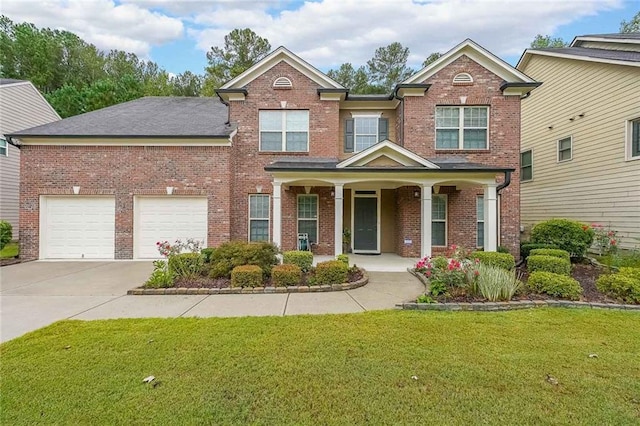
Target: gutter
[(507, 181)]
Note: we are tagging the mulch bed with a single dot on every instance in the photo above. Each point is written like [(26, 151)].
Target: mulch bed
[(206, 282), (585, 273)]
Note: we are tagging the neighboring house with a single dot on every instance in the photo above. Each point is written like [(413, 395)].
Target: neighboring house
[(288, 151), (21, 106), (580, 155)]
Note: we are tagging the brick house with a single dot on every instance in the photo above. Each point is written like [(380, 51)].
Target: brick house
[(286, 150)]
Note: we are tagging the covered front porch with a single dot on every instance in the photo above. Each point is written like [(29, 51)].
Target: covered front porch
[(384, 262)]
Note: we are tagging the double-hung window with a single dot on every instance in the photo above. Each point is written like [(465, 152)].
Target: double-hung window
[(480, 221), (462, 127), (439, 220), (259, 217), (565, 149), (284, 131), (633, 137), (526, 165), (364, 131), (4, 147), (308, 216)]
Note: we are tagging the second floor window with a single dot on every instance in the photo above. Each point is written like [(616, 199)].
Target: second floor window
[(362, 132), (286, 131), (462, 127)]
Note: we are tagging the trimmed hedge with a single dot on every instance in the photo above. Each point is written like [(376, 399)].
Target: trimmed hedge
[(285, 275), (331, 272), (562, 254), (501, 260), (552, 264), (186, 265), (624, 285), (302, 258), (6, 233), (246, 276), (570, 235), (554, 285), (525, 248), (236, 253)]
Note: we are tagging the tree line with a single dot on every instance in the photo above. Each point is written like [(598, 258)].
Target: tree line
[(77, 77)]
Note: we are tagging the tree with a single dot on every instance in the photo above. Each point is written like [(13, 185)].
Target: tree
[(431, 58), (388, 66), (357, 81), (541, 42), (633, 26), (242, 48), (186, 84)]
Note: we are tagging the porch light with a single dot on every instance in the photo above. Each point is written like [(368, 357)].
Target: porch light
[(76, 190), (169, 190)]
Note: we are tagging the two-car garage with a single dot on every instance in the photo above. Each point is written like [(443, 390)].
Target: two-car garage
[(84, 227)]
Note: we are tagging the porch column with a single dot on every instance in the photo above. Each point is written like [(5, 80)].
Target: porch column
[(490, 218), (339, 206), (425, 215), (277, 215)]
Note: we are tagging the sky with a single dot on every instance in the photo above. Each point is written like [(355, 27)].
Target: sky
[(177, 33)]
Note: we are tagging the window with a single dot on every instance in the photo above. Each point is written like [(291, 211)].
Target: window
[(526, 165), (480, 221), (439, 220), (284, 131), (633, 136), (362, 132), (4, 147), (258, 217), (461, 127), (308, 216), (565, 149)]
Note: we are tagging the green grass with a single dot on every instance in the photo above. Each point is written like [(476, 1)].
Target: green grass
[(472, 367), (626, 258), (9, 251)]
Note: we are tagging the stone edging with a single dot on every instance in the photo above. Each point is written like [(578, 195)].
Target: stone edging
[(252, 290), (512, 305)]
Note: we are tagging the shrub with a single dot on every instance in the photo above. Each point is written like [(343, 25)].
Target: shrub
[(161, 277), (526, 247), (496, 283), (502, 249), (562, 254), (286, 275), (6, 233), (302, 258), (501, 260), (246, 276), (344, 258), (624, 285), (331, 272), (207, 253), (554, 285), (237, 253), (186, 265), (570, 235), (552, 264)]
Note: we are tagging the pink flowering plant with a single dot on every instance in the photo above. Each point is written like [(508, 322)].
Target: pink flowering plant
[(455, 271), (606, 240), (162, 275)]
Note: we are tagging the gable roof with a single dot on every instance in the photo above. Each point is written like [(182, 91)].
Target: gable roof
[(272, 59), (388, 149), (23, 106), (160, 117), (478, 54), (632, 38)]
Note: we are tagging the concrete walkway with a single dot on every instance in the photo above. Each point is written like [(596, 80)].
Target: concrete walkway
[(36, 294)]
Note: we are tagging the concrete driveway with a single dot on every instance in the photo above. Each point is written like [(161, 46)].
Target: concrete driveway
[(36, 294)]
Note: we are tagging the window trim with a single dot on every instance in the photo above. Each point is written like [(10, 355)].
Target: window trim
[(283, 132), (6, 147), (317, 219), (355, 117), (461, 128), (446, 219), (268, 218), (480, 219), (530, 165), (629, 139), (570, 149)]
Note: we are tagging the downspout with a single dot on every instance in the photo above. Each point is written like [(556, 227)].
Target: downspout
[(503, 185)]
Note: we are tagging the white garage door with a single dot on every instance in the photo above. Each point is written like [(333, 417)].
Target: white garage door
[(168, 219), (77, 227)]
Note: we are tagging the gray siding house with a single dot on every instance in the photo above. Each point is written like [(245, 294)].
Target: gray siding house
[(21, 107)]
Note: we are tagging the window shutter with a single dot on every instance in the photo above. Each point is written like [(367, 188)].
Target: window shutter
[(383, 129), (348, 135)]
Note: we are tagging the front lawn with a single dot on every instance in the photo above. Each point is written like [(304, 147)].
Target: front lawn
[(378, 367)]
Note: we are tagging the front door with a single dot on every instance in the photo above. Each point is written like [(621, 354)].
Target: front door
[(365, 224)]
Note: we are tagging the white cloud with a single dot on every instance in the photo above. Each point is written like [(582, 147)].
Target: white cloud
[(102, 22)]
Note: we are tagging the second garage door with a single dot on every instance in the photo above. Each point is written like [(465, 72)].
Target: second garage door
[(168, 219)]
